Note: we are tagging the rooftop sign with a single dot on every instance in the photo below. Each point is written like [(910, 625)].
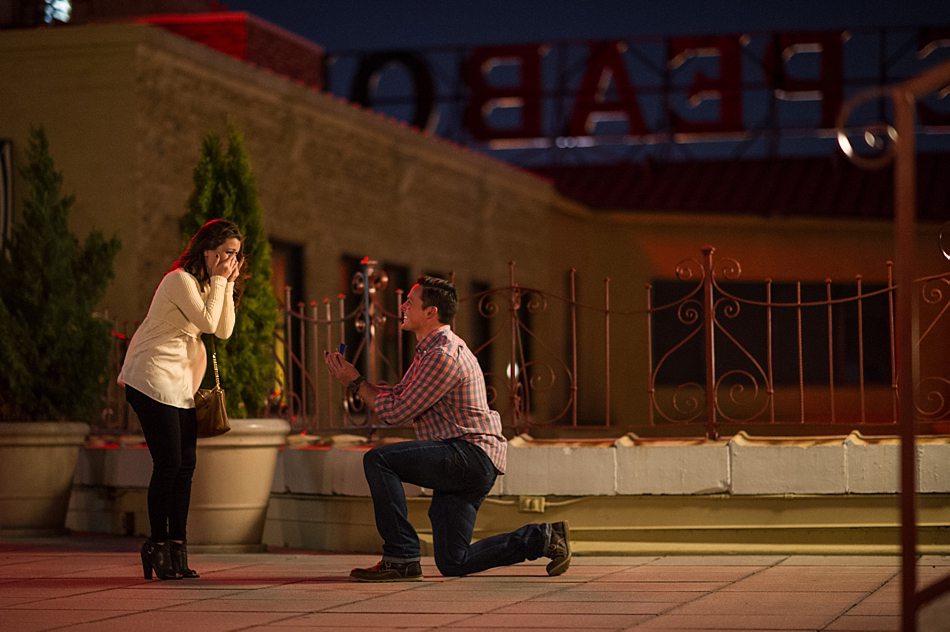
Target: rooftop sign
[(642, 90)]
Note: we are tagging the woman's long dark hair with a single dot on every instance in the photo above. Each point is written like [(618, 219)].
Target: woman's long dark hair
[(209, 237)]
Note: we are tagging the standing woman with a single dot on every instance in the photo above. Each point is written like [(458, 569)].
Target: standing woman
[(163, 368)]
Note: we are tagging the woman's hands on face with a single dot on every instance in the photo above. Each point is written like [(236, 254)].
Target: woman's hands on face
[(236, 272), (225, 266), (225, 260)]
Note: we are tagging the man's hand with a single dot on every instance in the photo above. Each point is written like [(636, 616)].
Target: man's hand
[(340, 368)]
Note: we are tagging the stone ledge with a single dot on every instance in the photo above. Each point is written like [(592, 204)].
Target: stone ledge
[(743, 465)]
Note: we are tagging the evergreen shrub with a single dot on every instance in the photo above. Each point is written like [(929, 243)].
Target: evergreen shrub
[(225, 189), (54, 349)]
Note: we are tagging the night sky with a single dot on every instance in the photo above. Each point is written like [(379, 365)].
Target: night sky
[(433, 27), (383, 24)]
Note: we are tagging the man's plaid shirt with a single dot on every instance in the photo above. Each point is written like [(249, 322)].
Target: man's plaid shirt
[(443, 393)]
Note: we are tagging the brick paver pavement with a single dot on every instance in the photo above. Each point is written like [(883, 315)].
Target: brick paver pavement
[(94, 583)]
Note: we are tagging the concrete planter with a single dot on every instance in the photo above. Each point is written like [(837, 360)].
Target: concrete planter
[(37, 460), (232, 486)]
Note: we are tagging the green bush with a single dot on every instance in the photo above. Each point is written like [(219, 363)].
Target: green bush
[(224, 189), (53, 350)]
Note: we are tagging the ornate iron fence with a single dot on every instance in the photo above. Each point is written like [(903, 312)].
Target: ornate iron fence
[(815, 358), (839, 354), (316, 403)]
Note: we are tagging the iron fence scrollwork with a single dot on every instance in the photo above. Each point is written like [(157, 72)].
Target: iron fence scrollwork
[(720, 352)]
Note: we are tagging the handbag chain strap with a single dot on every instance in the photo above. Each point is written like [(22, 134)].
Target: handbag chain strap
[(214, 360)]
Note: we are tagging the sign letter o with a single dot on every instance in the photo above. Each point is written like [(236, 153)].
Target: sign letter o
[(424, 91)]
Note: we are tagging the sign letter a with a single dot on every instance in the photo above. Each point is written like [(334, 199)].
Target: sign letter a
[(605, 64)]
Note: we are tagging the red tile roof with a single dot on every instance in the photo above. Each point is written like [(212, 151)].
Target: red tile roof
[(249, 38), (783, 187)]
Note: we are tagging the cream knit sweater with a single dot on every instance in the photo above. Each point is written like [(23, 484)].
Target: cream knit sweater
[(166, 359)]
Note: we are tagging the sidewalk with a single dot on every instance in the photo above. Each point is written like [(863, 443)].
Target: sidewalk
[(94, 583)]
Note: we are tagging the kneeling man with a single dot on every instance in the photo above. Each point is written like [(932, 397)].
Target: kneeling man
[(458, 453)]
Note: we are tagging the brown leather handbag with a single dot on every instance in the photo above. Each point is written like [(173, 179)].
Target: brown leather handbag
[(209, 405)]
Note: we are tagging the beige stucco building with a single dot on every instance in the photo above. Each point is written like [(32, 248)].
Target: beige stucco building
[(127, 106)]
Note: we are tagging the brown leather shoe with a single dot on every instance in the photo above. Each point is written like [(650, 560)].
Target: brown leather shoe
[(389, 572), (559, 550)]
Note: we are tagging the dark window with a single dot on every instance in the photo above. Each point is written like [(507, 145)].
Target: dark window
[(287, 272), (6, 189), (742, 342)]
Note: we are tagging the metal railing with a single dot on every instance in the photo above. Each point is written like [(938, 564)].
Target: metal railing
[(317, 403), (771, 365), (895, 143), (746, 391)]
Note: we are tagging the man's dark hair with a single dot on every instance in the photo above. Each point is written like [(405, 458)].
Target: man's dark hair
[(440, 294)]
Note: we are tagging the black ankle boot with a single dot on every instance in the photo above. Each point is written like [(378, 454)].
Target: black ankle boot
[(157, 557), (180, 560)]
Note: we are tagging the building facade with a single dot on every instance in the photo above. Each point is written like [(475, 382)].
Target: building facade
[(126, 107)]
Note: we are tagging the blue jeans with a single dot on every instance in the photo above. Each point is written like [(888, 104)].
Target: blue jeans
[(460, 475)]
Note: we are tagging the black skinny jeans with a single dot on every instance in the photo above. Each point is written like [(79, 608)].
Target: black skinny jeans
[(172, 435)]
